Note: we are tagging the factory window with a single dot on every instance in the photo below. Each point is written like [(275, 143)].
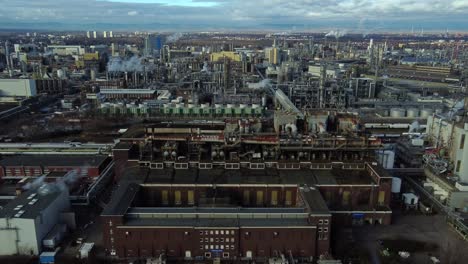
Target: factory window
[(232, 240), (246, 197), (247, 234), (206, 232), (191, 197), (216, 246), (259, 198), (346, 196), (325, 229), (211, 232), (320, 221), (211, 246), (458, 166), (320, 230), (111, 232), (225, 254), (232, 232), (207, 247), (177, 198), (110, 223), (221, 240), (216, 232), (227, 239), (201, 233), (186, 233), (201, 247), (211, 239), (381, 200), (207, 255), (201, 240), (165, 197), (206, 239), (274, 198), (275, 234), (216, 239), (221, 232), (232, 247), (288, 198), (462, 141), (326, 221)]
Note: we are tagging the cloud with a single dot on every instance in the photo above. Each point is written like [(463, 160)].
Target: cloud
[(357, 15)]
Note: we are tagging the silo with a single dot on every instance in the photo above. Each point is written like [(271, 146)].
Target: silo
[(427, 112), (412, 112), (397, 112)]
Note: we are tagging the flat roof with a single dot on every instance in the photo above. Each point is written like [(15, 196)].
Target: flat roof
[(53, 160), (30, 203), (219, 222)]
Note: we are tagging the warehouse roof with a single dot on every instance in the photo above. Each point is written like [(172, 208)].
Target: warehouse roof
[(29, 205), (53, 160)]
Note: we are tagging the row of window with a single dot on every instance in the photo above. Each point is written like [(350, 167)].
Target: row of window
[(216, 232), (214, 247), (216, 239)]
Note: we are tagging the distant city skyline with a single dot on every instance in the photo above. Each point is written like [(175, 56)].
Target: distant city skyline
[(366, 16)]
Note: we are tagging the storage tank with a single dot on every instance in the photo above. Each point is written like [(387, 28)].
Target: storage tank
[(397, 112), (396, 185), (427, 112), (412, 112)]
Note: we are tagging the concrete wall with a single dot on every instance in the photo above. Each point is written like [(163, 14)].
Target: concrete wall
[(19, 229), (18, 87)]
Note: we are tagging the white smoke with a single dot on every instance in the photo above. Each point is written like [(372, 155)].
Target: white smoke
[(260, 85), (61, 184), (174, 37), (414, 127), (116, 64), (206, 68), (336, 33)]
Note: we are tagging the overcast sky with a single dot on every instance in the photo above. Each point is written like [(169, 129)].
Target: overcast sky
[(353, 15)]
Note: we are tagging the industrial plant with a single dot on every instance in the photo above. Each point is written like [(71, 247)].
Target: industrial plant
[(227, 147)]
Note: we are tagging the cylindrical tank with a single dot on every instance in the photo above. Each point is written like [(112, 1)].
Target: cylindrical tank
[(397, 112), (396, 185), (427, 112), (412, 112)]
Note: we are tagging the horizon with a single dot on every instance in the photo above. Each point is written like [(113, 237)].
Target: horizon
[(360, 17)]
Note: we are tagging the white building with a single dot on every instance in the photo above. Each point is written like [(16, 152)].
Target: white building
[(17, 87), (66, 50), (26, 221), (451, 135)]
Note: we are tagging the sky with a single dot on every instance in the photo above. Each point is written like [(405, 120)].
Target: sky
[(360, 16)]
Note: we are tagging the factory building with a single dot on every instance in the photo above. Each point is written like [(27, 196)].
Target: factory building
[(18, 88), (67, 50), (128, 93), (28, 219), (233, 56), (18, 166)]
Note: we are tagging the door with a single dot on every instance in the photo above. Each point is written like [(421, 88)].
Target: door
[(381, 200)]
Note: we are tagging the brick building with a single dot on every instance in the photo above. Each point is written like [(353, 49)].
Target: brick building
[(18, 166)]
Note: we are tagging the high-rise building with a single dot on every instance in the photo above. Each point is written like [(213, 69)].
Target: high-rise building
[(105, 34), (95, 34), (111, 34), (153, 44), (273, 55), (88, 34)]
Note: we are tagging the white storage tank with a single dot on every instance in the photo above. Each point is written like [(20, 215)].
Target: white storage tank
[(397, 112), (412, 112), (396, 185), (427, 112)]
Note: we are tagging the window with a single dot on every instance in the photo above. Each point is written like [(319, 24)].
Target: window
[(227, 239), (191, 197), (201, 233), (221, 232), (259, 201), (246, 197), (186, 233), (320, 230), (211, 232), (320, 221), (221, 247), (225, 254), (326, 221), (201, 247), (247, 233), (232, 232), (165, 197), (216, 239), (462, 141), (211, 239), (274, 198), (207, 247), (206, 239), (232, 247), (216, 232), (201, 240), (458, 166), (275, 234), (177, 198), (288, 198), (221, 240), (207, 255), (325, 229)]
